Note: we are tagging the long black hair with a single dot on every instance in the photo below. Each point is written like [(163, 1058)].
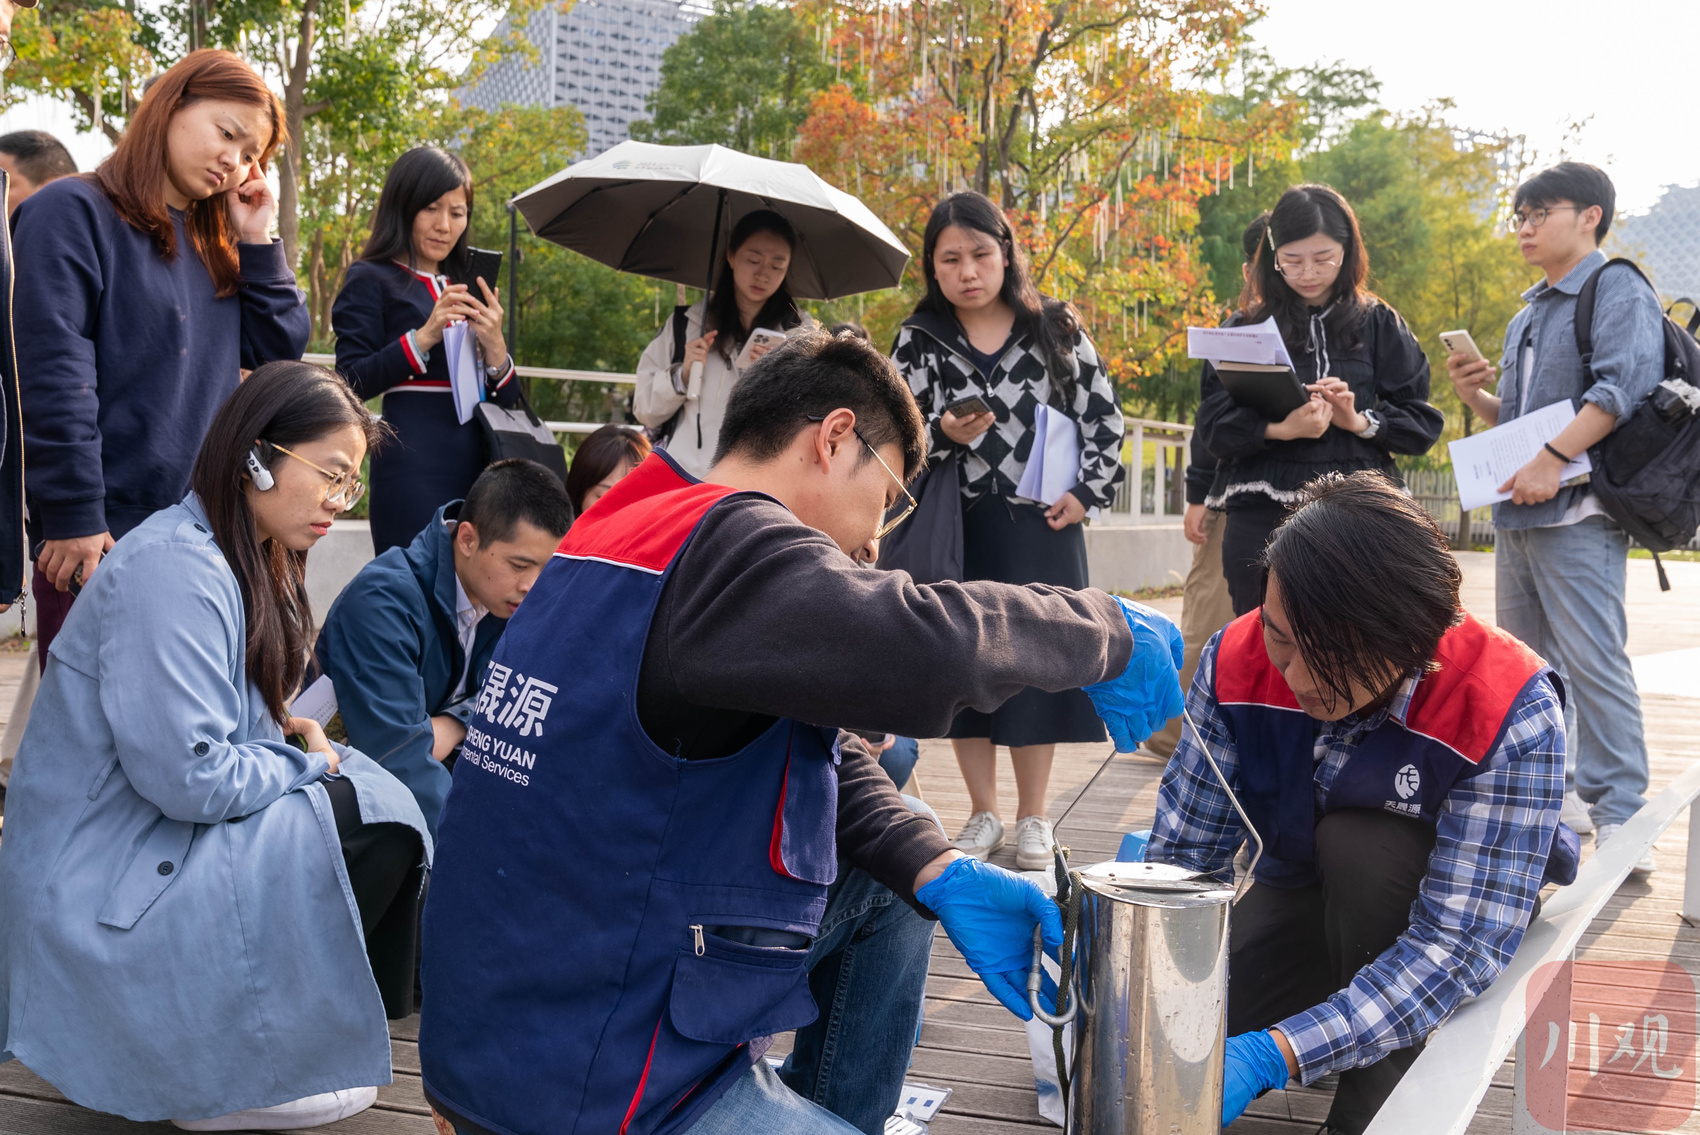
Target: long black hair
[(417, 178), (283, 403), (779, 313), (1054, 324), (1302, 212), (1367, 579)]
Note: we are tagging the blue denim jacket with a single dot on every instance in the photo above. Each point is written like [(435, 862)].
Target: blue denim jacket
[(1629, 361)]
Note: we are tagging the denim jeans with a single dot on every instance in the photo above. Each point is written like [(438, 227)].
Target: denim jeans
[(1560, 590), (899, 760)]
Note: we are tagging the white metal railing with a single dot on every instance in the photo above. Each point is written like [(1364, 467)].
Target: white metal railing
[(1153, 499), (1440, 1093), (1148, 491), (554, 374)]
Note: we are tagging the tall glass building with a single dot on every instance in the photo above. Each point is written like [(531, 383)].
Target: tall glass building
[(602, 56), (1666, 241)]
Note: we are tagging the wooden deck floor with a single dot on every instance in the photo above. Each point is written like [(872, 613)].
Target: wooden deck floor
[(970, 1044)]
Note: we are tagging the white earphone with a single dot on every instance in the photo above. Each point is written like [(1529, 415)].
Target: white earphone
[(257, 471)]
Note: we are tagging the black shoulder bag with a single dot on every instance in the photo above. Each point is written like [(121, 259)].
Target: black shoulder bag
[(1647, 470)]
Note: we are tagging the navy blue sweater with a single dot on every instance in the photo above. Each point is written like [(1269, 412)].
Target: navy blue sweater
[(124, 358)]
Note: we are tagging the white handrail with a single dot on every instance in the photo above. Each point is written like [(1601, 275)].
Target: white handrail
[(1129, 499), (1444, 1086), (556, 374)]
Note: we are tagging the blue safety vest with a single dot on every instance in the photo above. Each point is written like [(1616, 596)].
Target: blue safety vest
[(1457, 717), (570, 983)]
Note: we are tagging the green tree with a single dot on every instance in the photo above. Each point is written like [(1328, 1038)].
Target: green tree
[(366, 70), (743, 77), (1330, 98)]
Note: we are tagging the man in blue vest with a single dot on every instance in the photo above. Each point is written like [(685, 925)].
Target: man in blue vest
[(1404, 766), (407, 642), (659, 850)]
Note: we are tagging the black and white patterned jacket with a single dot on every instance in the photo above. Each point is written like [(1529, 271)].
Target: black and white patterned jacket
[(932, 354)]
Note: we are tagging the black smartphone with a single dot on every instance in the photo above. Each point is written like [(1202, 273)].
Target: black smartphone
[(966, 407), (482, 263), (75, 587)]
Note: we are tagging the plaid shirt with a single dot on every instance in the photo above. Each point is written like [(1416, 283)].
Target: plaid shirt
[(1490, 851)]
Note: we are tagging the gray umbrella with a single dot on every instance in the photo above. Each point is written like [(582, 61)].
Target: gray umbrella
[(665, 211)]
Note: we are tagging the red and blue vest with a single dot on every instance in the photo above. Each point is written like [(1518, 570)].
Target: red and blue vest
[(1457, 717), (570, 985)]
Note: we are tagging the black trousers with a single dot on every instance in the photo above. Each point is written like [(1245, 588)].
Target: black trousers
[(386, 869), (1252, 519), (1292, 949)]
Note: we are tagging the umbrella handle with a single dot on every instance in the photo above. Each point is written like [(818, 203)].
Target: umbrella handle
[(693, 390)]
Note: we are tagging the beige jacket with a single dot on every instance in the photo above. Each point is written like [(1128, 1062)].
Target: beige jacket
[(657, 396)]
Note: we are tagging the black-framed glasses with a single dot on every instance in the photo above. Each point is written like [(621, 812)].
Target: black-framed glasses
[(1534, 218), (8, 53), (890, 522), (344, 490)]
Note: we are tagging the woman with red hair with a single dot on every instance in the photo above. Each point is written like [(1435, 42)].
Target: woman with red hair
[(145, 289)]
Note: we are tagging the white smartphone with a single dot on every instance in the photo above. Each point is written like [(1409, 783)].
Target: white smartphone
[(760, 338), (1460, 343)]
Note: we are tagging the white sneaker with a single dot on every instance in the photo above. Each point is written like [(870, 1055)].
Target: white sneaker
[(981, 835), (1575, 814), (1033, 843), (1604, 832), (309, 1111)]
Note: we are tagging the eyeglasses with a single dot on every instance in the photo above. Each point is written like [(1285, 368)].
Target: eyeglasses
[(1296, 269), (344, 490), (8, 53), (891, 521), (1534, 218)]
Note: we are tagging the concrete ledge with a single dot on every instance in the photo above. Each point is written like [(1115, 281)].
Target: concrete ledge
[(335, 560), (1120, 557), (1128, 557)]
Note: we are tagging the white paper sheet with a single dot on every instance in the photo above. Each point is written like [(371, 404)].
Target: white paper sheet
[(1042, 1051), (317, 701), (466, 377), (1259, 344), (1483, 462), (1053, 465)]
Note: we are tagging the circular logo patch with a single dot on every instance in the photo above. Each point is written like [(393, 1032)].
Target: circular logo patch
[(1406, 782)]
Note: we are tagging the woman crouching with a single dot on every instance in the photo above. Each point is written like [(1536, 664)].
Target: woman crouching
[(188, 900)]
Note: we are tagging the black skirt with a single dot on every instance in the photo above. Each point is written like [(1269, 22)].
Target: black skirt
[(432, 460), (1011, 543)]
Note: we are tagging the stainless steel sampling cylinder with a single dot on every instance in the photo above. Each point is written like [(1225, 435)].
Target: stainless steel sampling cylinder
[(1153, 973)]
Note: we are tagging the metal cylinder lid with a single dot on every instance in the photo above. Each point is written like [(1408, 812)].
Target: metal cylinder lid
[(1153, 882)]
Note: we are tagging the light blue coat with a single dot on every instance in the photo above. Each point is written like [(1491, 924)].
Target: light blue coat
[(178, 938)]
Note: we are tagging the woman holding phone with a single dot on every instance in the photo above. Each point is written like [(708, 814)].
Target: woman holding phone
[(1367, 377), (683, 413), (389, 318), (982, 331), (201, 921), (145, 290)]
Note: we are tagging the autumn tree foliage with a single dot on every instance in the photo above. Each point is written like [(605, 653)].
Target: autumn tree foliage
[(1089, 121)]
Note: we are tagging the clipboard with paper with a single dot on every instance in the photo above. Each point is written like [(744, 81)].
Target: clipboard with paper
[(1253, 365)]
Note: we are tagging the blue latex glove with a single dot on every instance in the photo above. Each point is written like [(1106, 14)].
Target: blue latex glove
[(989, 914), (1148, 693), (1253, 1065)]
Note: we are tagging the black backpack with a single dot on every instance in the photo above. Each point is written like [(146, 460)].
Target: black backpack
[(1647, 471), (662, 434)]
